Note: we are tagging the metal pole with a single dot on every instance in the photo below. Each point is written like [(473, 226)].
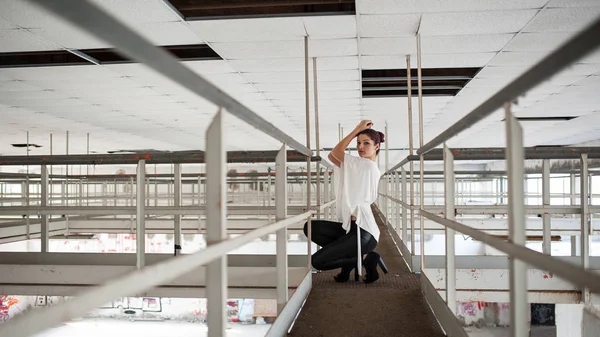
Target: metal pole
[(177, 190), (411, 152), (269, 196), (199, 203), (397, 196), (43, 203), (546, 221), (216, 225), (585, 223), (140, 234), (516, 224), (421, 157), (67, 174), (404, 210), (317, 138), (308, 168), (573, 202), (449, 212), (281, 214), (87, 171)]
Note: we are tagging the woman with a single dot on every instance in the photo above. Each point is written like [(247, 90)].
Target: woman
[(356, 183)]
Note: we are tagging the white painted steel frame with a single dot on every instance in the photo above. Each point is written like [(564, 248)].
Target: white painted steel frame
[(140, 234), (281, 214), (547, 222), (216, 225), (44, 203), (177, 203), (585, 224), (449, 232), (515, 164)]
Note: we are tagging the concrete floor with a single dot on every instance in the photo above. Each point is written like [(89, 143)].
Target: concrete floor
[(118, 328)]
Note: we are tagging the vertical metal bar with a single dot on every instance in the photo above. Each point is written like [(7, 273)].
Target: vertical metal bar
[(411, 152), (67, 174), (199, 203), (397, 196), (132, 197), (308, 168), (216, 226), (25, 195), (516, 224), (404, 210), (421, 158), (43, 203), (281, 214), (317, 135), (585, 223), (177, 191), (449, 212), (546, 221), (573, 202), (387, 201), (269, 196), (87, 172), (51, 192), (140, 234)]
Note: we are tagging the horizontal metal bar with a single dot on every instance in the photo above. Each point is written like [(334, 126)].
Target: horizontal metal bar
[(102, 25), (567, 271), (579, 46), (289, 313), (133, 283), (179, 157), (441, 310)]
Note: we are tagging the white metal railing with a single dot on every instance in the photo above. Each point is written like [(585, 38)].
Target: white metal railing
[(97, 22), (582, 44)]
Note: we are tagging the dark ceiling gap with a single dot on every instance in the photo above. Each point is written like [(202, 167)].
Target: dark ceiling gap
[(436, 81), (230, 9), (198, 52)]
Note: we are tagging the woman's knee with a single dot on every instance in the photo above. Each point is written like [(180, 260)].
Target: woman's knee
[(306, 228), (317, 263)]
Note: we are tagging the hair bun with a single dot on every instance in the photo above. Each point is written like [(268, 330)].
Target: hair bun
[(381, 137)]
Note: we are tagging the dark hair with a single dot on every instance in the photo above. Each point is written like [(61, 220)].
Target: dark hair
[(376, 136)]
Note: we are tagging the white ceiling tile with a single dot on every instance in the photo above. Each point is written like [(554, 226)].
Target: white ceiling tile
[(528, 58), (16, 40), (209, 67), (428, 61), (27, 95), (346, 85), (487, 22), (388, 46), (26, 14), (593, 57), (168, 33), (501, 71), (537, 41), (448, 44), (44, 102), (18, 86), (572, 3), (389, 25), (329, 48), (425, 6), (265, 65), (262, 49), (328, 27), (562, 19), (298, 76), (258, 29), (82, 73), (337, 63), (6, 25)]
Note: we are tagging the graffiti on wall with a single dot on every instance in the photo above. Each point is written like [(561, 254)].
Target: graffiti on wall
[(7, 302)]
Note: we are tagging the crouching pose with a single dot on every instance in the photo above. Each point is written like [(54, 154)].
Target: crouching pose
[(356, 183)]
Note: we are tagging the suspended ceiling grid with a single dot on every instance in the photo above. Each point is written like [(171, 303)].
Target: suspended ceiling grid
[(129, 106)]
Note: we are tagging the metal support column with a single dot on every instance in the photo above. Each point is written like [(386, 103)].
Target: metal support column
[(317, 140), (404, 210), (585, 221), (281, 214), (177, 201), (140, 233), (546, 221), (308, 168), (421, 157), (411, 152), (397, 196), (43, 203), (449, 212), (573, 202), (216, 225), (199, 203), (519, 309)]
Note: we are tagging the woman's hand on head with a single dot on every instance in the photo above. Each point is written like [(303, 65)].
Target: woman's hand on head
[(363, 125)]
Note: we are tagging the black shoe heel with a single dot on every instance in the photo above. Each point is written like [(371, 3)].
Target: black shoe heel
[(371, 262), (382, 265), (356, 277)]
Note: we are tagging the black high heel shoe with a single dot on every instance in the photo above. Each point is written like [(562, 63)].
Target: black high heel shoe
[(373, 260), (343, 276)]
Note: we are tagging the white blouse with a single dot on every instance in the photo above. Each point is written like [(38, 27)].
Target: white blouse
[(356, 184)]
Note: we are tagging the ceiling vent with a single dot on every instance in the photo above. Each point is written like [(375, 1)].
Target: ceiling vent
[(236, 9), (436, 81)]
